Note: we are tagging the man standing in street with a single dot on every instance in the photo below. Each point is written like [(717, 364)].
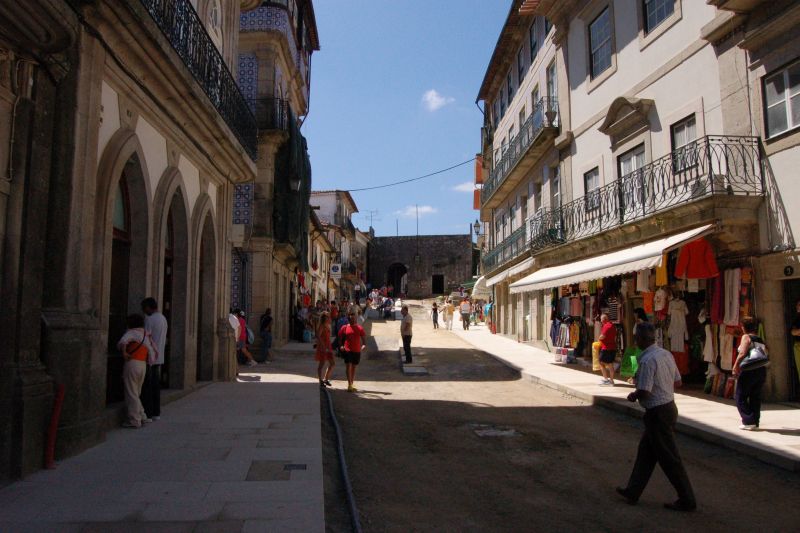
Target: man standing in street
[(656, 380), (155, 324), (405, 332), (608, 350)]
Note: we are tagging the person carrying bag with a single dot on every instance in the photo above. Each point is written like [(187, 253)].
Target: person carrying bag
[(750, 370)]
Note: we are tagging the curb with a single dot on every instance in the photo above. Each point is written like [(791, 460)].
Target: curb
[(699, 431)]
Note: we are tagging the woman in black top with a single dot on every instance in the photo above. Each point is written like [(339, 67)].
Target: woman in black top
[(749, 382)]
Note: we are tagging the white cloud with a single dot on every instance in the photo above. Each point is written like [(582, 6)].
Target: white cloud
[(434, 101), (467, 186), (410, 211)]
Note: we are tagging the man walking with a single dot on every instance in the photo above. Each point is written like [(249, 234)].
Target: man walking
[(405, 332), (656, 380), (351, 339), (155, 324), (465, 308)]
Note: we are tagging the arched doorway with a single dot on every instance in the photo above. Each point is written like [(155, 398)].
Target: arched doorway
[(173, 297), (206, 299), (128, 280), (396, 277)]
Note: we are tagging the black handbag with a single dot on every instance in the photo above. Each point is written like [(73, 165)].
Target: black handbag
[(756, 357)]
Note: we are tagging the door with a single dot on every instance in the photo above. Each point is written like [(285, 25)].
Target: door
[(792, 292), (632, 194), (437, 284)]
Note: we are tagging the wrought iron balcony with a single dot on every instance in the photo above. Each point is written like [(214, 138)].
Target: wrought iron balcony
[(545, 115), (270, 113), (180, 24), (710, 166), (511, 247)]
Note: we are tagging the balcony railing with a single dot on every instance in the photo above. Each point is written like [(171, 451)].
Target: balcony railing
[(511, 247), (710, 166), (270, 113), (544, 115), (180, 24)]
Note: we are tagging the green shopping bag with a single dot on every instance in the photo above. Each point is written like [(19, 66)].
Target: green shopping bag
[(630, 362)]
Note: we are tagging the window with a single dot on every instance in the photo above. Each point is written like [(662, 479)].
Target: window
[(631, 161), (520, 65), (496, 113), (782, 100), (684, 147), (656, 12), (512, 210), (504, 220), (502, 103), (533, 41), (600, 43), (555, 187), (504, 145), (523, 208), (547, 26), (511, 133), (552, 81), (510, 88), (521, 117), (591, 187), (534, 98)]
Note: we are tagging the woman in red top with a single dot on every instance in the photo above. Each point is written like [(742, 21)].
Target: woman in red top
[(608, 350), (351, 339), (324, 352)]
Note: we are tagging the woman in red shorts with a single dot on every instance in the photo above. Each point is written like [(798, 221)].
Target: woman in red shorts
[(324, 352)]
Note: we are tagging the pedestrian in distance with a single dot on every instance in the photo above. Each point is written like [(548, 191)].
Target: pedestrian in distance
[(406, 326), (749, 382), (435, 315), (324, 352), (466, 309), (155, 324), (265, 328), (656, 380), (352, 340), (449, 311), (136, 347), (608, 350), (241, 341)]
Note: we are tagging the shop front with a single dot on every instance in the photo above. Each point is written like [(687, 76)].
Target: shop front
[(695, 296)]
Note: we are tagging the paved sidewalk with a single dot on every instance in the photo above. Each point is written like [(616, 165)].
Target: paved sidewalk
[(711, 419), (231, 457)]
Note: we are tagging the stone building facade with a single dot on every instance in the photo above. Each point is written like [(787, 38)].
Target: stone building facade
[(276, 41), (118, 162), (704, 138), (421, 266)]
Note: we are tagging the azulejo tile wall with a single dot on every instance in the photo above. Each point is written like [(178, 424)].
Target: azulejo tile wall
[(242, 214), (248, 78)]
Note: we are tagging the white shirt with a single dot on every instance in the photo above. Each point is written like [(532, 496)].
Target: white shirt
[(405, 325), (657, 375), (156, 326), (465, 307), (234, 322)]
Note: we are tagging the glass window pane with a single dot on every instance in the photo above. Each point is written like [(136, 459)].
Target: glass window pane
[(794, 79), (795, 107), (776, 119), (600, 42), (775, 89)]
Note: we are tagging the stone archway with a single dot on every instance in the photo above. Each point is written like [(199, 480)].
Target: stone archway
[(127, 282), (396, 275), (206, 299), (174, 297)]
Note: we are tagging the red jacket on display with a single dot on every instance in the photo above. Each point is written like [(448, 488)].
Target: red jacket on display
[(696, 261)]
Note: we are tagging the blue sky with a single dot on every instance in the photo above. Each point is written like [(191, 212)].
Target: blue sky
[(370, 120)]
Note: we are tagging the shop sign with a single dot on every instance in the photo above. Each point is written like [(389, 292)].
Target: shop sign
[(336, 270)]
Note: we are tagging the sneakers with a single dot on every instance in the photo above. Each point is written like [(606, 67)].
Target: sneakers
[(350, 388), (252, 362), (748, 427), (147, 420), (607, 383), (327, 383)]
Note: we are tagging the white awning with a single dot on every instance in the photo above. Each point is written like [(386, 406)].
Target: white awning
[(494, 280), (632, 259), (480, 290), (505, 274)]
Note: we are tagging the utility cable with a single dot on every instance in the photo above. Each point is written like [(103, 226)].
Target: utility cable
[(470, 160), (348, 487)]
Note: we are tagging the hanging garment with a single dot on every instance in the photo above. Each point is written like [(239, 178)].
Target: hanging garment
[(574, 333), (588, 308), (660, 337), (554, 329), (718, 300), (647, 303), (661, 272), (696, 260), (660, 300), (732, 290), (563, 307), (708, 345), (643, 280), (678, 333), (681, 361), (725, 349), (583, 288), (598, 327), (613, 308), (575, 306), (693, 285)]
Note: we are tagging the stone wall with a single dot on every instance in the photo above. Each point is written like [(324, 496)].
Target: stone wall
[(423, 257)]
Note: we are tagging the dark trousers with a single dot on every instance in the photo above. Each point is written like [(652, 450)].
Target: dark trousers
[(151, 391), (748, 395), (658, 446), (407, 347)]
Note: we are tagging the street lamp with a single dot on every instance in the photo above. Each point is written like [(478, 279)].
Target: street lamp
[(477, 227)]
